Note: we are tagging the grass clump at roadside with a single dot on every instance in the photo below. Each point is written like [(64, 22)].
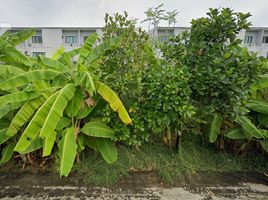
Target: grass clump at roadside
[(171, 167)]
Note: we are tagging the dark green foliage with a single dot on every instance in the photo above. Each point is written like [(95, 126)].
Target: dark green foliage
[(124, 69), (155, 92), (166, 98), (221, 71)]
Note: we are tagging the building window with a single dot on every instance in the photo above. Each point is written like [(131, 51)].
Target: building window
[(37, 39), (265, 39), (248, 39), (164, 38), (36, 54), (70, 39)]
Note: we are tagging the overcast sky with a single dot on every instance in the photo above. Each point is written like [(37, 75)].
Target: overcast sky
[(91, 12)]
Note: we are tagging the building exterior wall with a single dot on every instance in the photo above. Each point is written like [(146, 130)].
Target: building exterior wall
[(256, 45), (55, 37)]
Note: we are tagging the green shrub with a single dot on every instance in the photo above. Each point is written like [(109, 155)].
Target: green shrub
[(123, 69), (166, 98), (221, 70)]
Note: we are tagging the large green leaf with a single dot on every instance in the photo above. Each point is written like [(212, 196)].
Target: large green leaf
[(249, 127), (87, 48), (5, 34), (86, 79), (5, 109), (34, 145), (19, 96), (7, 153), (9, 69), (81, 142), (236, 134), (49, 143), (63, 123), (258, 106), (260, 83), (54, 64), (24, 114), (101, 49), (264, 145), (21, 36), (107, 149), (264, 132), (215, 128), (75, 104), (34, 127), (24, 78), (97, 129), (56, 110), (84, 112), (4, 122), (263, 119), (115, 103), (3, 136), (73, 52), (67, 147), (11, 55), (58, 53)]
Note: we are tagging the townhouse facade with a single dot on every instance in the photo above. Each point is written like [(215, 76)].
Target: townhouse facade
[(48, 39), (255, 39)]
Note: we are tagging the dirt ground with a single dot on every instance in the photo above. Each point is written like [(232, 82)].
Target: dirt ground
[(140, 185)]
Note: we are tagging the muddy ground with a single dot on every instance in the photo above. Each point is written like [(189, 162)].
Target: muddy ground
[(139, 185)]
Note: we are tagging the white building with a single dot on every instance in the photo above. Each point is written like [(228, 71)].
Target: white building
[(255, 39), (48, 39)]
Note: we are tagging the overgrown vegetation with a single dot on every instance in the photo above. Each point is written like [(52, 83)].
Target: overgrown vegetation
[(54, 101), (205, 88), (195, 156)]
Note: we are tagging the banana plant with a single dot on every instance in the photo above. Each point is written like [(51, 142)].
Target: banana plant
[(54, 102), (247, 128)]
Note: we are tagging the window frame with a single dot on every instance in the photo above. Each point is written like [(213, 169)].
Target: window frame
[(248, 39), (38, 53), (37, 41), (68, 41), (265, 39)]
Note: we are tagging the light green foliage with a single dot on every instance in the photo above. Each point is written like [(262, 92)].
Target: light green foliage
[(67, 147), (236, 134), (249, 127), (44, 101), (215, 128), (107, 149), (97, 129)]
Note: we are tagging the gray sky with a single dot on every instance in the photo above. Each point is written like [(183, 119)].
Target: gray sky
[(91, 12)]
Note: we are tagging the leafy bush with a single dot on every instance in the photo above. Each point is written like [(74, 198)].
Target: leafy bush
[(123, 69), (54, 101), (155, 92), (166, 98), (252, 128), (221, 70)]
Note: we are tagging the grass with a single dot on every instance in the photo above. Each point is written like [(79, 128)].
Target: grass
[(171, 167)]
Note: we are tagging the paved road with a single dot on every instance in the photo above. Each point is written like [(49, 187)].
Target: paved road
[(243, 192), (35, 186)]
